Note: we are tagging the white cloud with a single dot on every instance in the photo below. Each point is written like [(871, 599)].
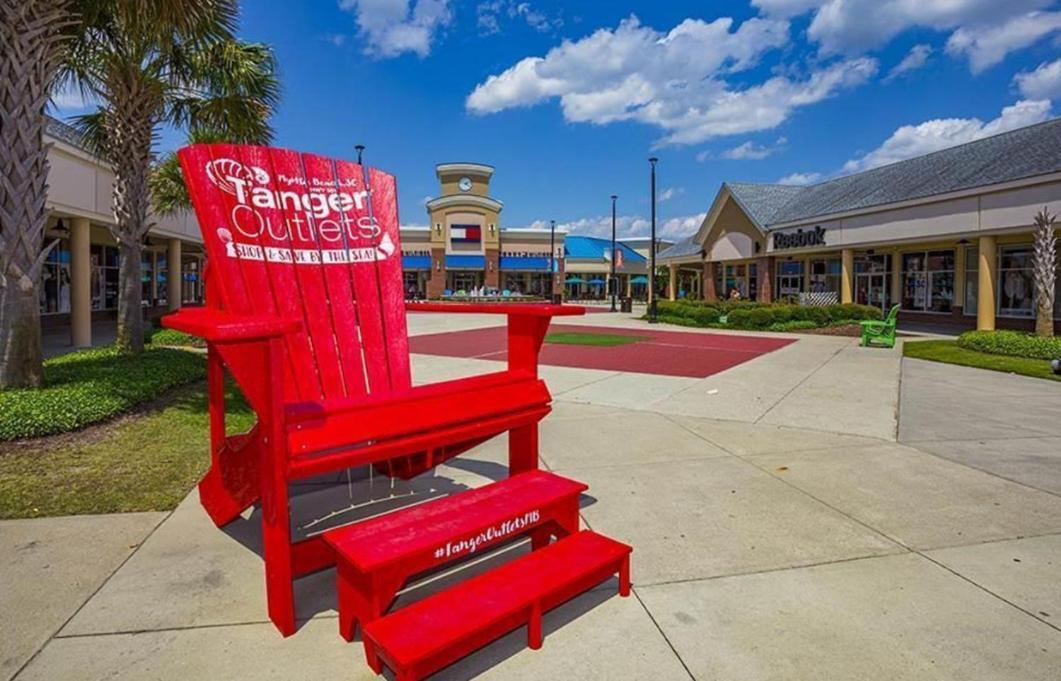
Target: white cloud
[(914, 59), (786, 8), (336, 39), (627, 226), (987, 45), (984, 31), (933, 135), (489, 16), (1042, 83), (669, 193), (800, 178), (672, 80), (750, 151), (393, 27)]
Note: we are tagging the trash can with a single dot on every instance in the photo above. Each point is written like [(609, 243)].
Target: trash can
[(626, 304)]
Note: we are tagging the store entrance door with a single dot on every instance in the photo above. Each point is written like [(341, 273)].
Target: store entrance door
[(872, 289)]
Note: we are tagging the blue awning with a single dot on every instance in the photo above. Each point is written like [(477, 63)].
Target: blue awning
[(525, 263), (465, 262), (416, 262)]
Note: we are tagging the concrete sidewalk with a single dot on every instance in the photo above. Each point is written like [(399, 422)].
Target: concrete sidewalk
[(780, 531)]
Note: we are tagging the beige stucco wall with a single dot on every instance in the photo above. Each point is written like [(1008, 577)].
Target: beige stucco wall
[(81, 185), (999, 211)]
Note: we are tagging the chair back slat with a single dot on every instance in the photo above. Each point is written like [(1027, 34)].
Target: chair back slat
[(391, 287), (303, 236)]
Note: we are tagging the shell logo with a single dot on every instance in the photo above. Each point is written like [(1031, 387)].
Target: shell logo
[(223, 171)]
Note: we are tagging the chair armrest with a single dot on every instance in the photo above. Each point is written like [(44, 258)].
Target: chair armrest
[(221, 327), (525, 309)]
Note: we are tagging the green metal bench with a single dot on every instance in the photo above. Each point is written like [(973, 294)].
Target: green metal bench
[(880, 332)]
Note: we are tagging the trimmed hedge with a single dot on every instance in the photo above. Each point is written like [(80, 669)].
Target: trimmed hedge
[(749, 315), (1012, 344), (88, 386), (764, 317)]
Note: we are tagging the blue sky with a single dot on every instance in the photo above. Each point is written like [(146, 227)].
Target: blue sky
[(568, 99)]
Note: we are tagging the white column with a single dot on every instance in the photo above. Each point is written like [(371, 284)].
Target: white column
[(80, 283)]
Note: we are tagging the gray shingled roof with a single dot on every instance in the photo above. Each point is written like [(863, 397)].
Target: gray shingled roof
[(763, 202), (686, 247), (1025, 152)]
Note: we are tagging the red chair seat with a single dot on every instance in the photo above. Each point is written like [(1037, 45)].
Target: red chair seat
[(434, 417)]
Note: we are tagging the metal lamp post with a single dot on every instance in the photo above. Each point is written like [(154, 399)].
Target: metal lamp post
[(652, 250), (612, 282), (360, 150), (552, 259)]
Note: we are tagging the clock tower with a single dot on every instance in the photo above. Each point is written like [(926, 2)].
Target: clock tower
[(465, 230)]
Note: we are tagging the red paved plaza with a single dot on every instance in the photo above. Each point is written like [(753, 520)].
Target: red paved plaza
[(666, 353)]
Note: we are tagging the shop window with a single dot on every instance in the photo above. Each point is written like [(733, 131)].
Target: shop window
[(161, 280), (146, 274), (873, 280), (928, 281), (972, 278), (825, 276), (55, 280), (789, 278), (1016, 281)]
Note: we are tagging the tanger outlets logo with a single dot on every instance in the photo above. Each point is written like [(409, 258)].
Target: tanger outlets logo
[(327, 215), (488, 536)]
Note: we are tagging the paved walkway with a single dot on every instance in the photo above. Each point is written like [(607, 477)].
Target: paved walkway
[(805, 515)]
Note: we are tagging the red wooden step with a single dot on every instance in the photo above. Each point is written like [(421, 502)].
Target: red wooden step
[(428, 635), (375, 557)]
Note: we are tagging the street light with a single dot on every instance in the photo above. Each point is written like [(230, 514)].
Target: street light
[(612, 282), (652, 250), (552, 259), (360, 150)]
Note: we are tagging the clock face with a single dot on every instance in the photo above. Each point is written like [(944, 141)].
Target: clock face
[(464, 184)]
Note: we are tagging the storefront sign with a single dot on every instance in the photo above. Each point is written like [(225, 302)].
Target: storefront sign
[(799, 239)]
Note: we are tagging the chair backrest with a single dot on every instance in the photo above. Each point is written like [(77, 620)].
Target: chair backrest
[(893, 315), (303, 236)]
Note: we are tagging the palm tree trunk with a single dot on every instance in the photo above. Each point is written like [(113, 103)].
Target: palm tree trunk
[(1045, 272), (32, 38), (130, 139)]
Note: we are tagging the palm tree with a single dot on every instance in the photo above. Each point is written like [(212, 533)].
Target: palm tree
[(1045, 271), (151, 64), (33, 37)]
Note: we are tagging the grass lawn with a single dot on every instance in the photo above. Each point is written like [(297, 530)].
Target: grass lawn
[(949, 352), (145, 461), (582, 338)]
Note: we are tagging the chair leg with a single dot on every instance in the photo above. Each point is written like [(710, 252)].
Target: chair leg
[(276, 541), (534, 627), (624, 577), (372, 658), (523, 449)]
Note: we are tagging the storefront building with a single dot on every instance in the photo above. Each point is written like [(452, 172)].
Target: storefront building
[(588, 262), (946, 236), (465, 251), (79, 283)]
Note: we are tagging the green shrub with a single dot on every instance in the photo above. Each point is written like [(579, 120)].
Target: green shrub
[(1011, 343), (88, 386), (753, 316), (174, 338), (763, 317), (698, 312)]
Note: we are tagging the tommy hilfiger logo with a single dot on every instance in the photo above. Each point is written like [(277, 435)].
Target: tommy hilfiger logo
[(488, 536)]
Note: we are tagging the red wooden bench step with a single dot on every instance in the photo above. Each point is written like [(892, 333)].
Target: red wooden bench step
[(375, 557), (428, 635)]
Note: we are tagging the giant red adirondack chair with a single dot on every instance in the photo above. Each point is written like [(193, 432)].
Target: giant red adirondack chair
[(305, 310)]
